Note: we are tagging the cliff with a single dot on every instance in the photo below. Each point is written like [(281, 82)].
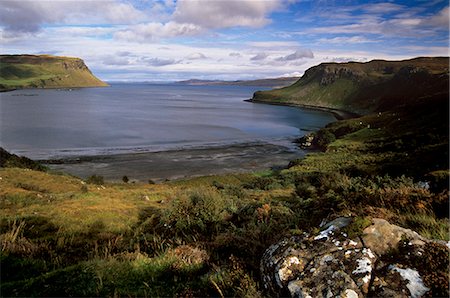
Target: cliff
[(365, 87), (45, 71)]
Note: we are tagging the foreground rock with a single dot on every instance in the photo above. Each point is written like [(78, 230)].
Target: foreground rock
[(380, 263)]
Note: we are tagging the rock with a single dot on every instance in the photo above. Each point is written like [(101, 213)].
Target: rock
[(382, 236), (329, 264), (306, 141)]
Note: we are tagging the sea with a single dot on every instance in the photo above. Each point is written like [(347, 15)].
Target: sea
[(45, 124)]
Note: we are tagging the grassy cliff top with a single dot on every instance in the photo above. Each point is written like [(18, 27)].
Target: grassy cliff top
[(45, 71), (365, 87)]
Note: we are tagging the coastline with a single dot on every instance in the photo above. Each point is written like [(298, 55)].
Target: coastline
[(178, 164), (339, 114)]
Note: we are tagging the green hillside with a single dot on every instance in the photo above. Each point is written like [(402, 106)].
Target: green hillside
[(365, 87), (45, 71)]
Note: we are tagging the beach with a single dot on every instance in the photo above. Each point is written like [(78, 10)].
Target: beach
[(178, 164)]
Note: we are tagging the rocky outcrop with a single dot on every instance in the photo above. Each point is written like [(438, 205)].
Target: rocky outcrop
[(330, 264)]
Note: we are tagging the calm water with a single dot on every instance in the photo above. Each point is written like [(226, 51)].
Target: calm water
[(139, 118)]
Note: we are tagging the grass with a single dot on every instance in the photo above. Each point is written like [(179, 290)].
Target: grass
[(364, 87), (205, 236), (44, 71)]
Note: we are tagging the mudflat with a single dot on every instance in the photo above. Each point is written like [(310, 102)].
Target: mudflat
[(177, 164)]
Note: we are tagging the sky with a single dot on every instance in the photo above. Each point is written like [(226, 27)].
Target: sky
[(169, 40)]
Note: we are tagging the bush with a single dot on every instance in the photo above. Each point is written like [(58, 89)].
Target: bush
[(125, 179), (262, 183), (196, 214), (95, 179), (322, 138)]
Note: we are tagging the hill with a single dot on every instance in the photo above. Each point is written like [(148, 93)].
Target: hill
[(365, 87), (45, 71), (271, 82), (251, 235)]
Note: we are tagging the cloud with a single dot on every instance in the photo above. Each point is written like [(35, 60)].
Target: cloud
[(383, 8), (226, 13), (115, 60), (412, 23), (440, 20), (196, 56), (299, 54), (158, 61), (292, 74), (234, 54), (346, 40), (154, 31), (30, 16), (259, 56)]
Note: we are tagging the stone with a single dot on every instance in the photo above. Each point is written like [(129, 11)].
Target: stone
[(382, 236), (329, 264)]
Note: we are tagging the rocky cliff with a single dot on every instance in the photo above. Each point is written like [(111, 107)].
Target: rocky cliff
[(45, 71), (365, 87)]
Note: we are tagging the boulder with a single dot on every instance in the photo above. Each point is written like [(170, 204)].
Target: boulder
[(329, 264), (382, 236)]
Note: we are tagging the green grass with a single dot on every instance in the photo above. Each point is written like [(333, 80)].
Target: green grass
[(205, 236), (28, 71), (365, 87)]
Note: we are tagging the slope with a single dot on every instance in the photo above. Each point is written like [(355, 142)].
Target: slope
[(365, 87), (45, 71)]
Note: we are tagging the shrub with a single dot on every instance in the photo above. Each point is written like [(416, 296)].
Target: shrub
[(322, 138), (95, 179), (196, 214), (125, 179), (262, 183)]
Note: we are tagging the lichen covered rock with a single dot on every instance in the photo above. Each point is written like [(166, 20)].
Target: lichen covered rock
[(329, 264)]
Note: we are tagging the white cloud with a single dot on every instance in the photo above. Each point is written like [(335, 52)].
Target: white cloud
[(299, 54), (234, 54), (30, 16), (259, 56), (440, 20), (385, 7), (226, 13), (345, 39), (155, 31), (405, 24), (196, 56), (158, 61), (115, 60), (292, 74)]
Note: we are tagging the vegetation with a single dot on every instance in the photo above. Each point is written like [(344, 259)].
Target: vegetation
[(45, 71), (365, 87), (61, 236)]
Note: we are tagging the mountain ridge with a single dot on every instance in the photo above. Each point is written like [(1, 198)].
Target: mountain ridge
[(269, 82)]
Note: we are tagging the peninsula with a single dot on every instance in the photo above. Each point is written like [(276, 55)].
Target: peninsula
[(45, 71)]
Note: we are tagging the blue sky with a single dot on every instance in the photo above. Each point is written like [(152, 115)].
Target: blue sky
[(167, 40)]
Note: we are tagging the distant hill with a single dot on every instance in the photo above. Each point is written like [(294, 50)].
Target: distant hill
[(365, 87), (45, 71), (273, 82)]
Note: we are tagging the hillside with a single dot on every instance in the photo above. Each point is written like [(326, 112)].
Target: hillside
[(365, 87), (332, 222), (271, 82), (45, 71)]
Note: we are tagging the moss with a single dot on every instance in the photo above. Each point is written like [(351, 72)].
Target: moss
[(357, 226)]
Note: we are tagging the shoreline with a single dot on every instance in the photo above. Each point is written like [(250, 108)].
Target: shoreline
[(178, 164), (338, 114)]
